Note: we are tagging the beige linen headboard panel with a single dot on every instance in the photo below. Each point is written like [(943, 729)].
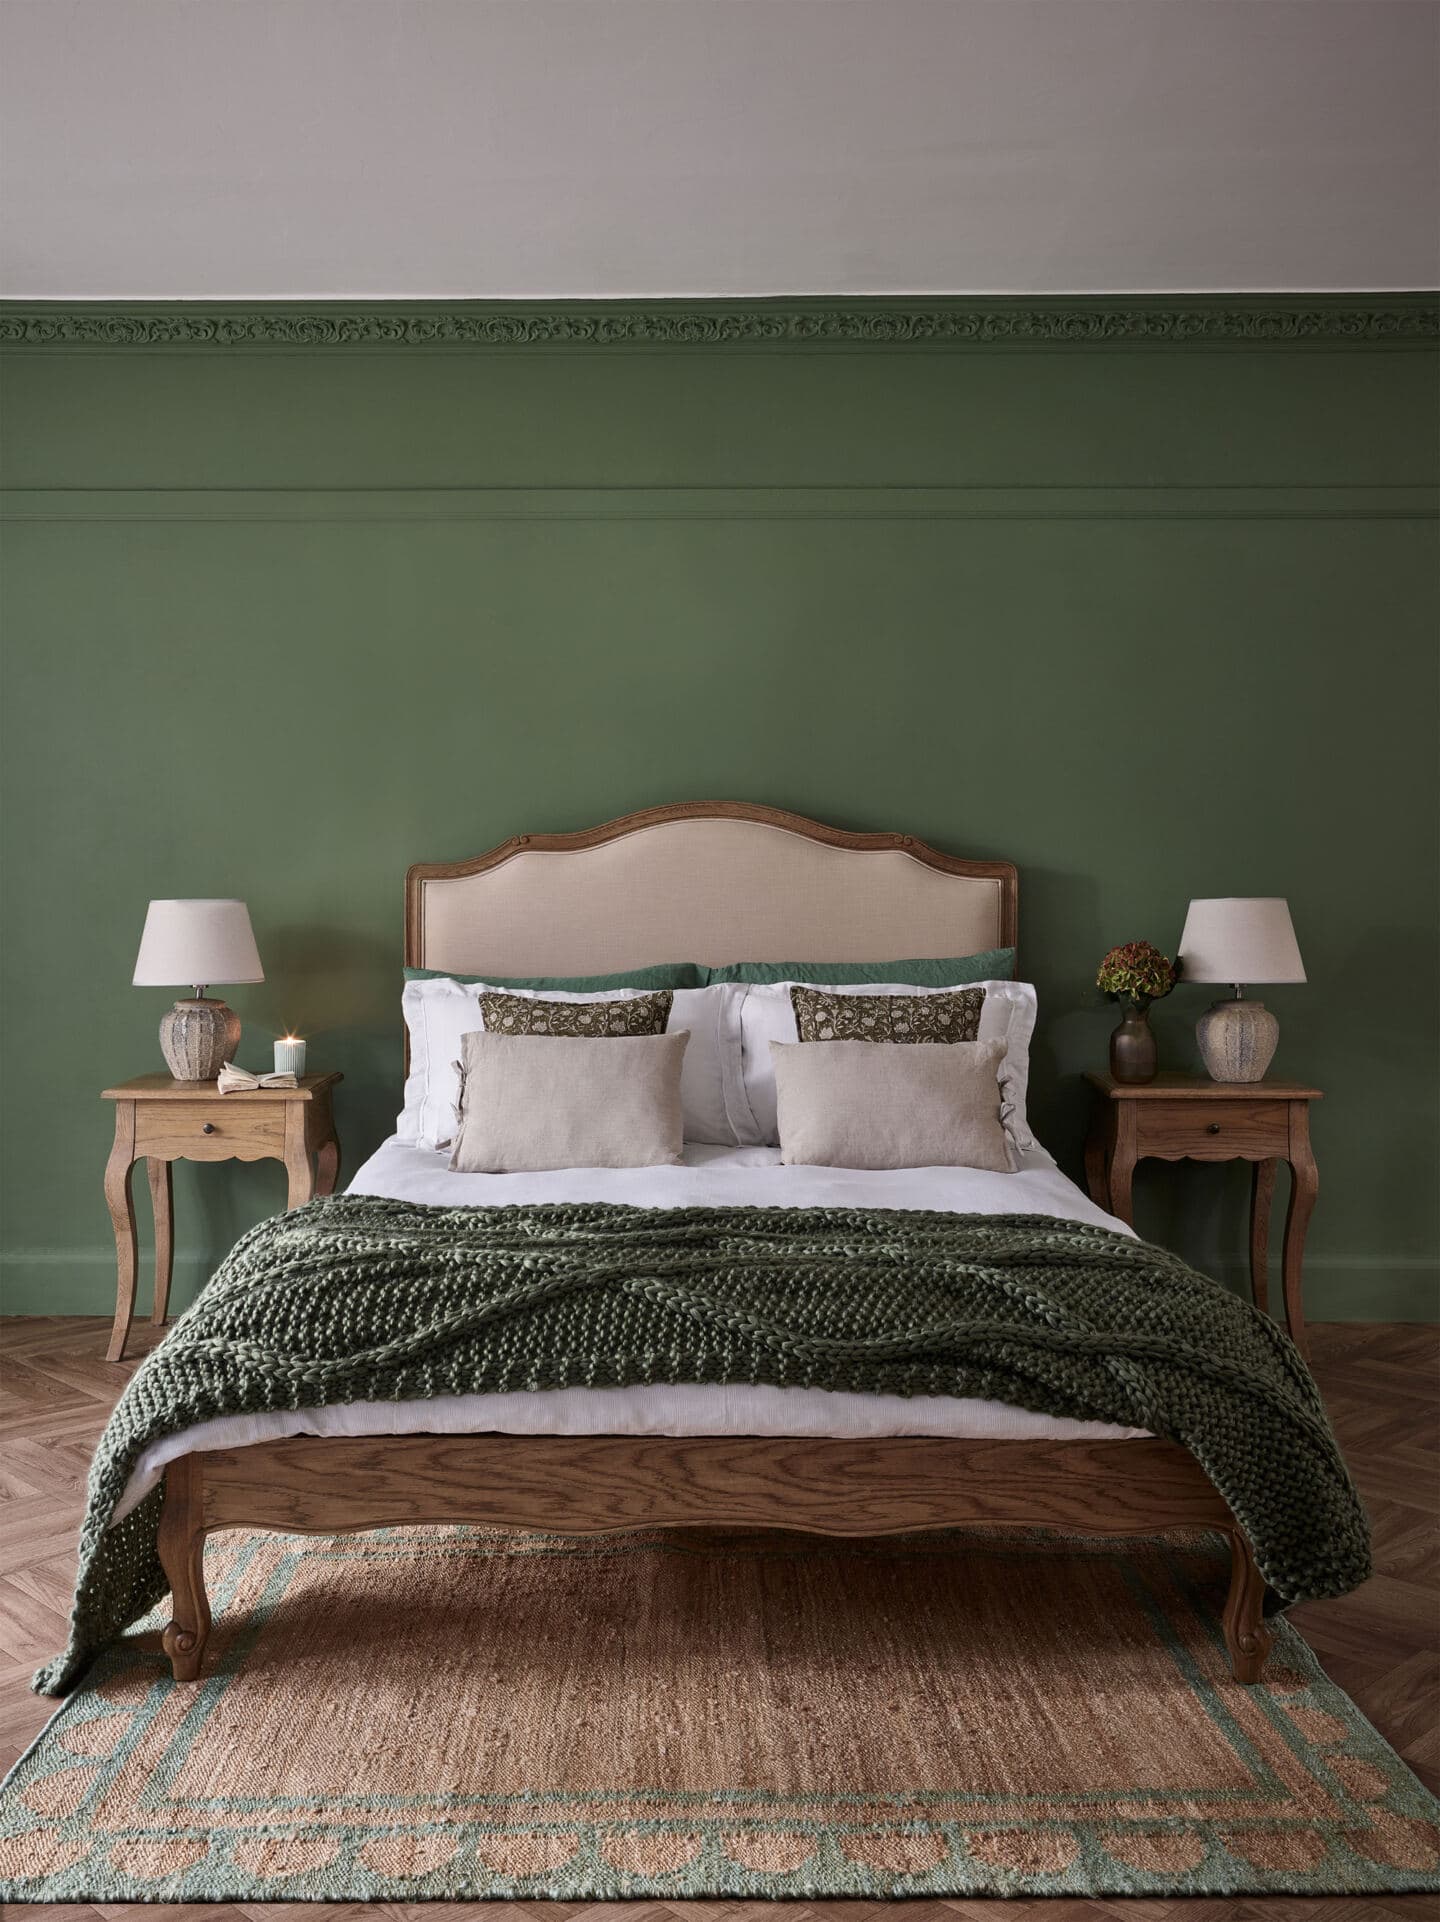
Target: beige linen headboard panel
[(705, 881)]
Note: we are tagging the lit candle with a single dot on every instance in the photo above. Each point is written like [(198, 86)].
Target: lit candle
[(290, 1055)]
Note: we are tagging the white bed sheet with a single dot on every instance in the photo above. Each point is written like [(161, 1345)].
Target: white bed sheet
[(710, 1176)]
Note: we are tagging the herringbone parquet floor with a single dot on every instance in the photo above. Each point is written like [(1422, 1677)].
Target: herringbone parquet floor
[(1382, 1644)]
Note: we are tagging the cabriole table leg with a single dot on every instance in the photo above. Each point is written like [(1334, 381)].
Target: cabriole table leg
[(1304, 1186), (327, 1164), (1262, 1192), (299, 1173), (162, 1203), (121, 1203), (1096, 1179)]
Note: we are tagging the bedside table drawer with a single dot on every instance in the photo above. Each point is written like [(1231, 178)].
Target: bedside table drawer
[(1211, 1130), (198, 1131)]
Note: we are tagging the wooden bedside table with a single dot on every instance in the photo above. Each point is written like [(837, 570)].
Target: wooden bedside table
[(1189, 1117), (160, 1121)]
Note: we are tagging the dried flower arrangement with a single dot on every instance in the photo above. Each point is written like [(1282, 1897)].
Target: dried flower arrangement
[(1138, 973)]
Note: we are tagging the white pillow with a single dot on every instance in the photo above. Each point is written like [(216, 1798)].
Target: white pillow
[(767, 1015), (438, 1013)]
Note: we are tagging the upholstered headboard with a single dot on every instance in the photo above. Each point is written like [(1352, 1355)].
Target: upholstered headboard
[(706, 881)]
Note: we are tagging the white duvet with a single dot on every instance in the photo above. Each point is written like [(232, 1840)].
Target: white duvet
[(709, 1177)]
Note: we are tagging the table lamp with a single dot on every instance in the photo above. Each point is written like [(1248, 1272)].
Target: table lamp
[(1239, 939), (197, 941)]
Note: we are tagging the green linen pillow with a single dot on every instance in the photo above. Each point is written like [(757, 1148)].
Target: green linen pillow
[(665, 974), (993, 964)]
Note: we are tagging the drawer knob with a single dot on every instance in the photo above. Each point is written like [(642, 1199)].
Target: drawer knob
[(1213, 1129), (208, 1129)]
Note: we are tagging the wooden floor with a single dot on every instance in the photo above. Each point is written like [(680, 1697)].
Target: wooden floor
[(1382, 1644)]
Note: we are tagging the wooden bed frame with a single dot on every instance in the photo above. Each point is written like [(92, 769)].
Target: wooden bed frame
[(808, 883)]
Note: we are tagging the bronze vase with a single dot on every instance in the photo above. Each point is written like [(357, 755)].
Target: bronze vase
[(1132, 1046)]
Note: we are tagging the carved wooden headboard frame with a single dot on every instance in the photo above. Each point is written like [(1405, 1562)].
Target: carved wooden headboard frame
[(705, 881)]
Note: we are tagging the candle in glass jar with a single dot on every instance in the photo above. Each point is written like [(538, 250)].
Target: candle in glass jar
[(290, 1055)]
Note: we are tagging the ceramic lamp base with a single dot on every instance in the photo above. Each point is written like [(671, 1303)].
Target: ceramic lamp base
[(198, 1037), (1237, 1040)]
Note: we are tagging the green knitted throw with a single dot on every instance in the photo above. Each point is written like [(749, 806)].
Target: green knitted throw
[(358, 1299)]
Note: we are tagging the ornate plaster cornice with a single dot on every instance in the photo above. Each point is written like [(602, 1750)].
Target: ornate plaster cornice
[(1244, 320)]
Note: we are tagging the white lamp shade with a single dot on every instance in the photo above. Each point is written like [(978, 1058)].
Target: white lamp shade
[(192, 943), (1240, 938)]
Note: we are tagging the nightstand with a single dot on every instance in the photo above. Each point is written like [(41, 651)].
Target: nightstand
[(1189, 1117), (158, 1120)]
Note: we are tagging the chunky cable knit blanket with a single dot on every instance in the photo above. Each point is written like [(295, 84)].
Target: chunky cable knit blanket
[(358, 1299)]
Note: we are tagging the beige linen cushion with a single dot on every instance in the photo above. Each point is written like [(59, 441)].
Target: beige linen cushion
[(853, 1104), (529, 1102)]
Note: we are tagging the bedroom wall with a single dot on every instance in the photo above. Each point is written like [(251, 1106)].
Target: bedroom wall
[(1145, 603)]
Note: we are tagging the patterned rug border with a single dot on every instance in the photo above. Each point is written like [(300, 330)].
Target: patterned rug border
[(703, 1846)]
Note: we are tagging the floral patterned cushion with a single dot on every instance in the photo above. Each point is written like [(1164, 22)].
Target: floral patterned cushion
[(524, 1014), (887, 1017)]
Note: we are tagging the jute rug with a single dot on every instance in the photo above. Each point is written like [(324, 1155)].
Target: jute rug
[(462, 1713)]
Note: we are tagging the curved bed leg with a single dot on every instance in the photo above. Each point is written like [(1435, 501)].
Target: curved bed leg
[(182, 1556), (1247, 1636)]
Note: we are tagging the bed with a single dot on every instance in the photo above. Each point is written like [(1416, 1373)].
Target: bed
[(711, 882)]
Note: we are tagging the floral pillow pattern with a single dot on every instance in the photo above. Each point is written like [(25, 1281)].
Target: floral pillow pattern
[(524, 1014), (887, 1017)]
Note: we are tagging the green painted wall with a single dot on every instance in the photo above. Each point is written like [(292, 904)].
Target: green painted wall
[(1152, 616)]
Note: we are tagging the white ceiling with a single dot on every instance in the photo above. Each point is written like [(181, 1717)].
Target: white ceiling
[(549, 148)]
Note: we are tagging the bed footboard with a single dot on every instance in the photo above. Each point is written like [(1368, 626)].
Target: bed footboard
[(594, 1484)]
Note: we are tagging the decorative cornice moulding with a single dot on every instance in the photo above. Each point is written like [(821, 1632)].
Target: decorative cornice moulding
[(1400, 319)]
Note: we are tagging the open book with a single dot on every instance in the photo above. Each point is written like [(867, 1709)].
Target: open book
[(235, 1080)]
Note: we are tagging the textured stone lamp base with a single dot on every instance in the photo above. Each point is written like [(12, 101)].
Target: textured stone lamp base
[(198, 1037), (1237, 1040)]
